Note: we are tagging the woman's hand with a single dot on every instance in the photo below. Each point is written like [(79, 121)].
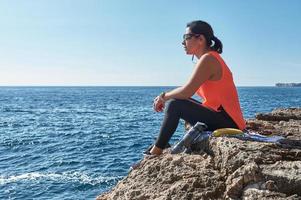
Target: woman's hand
[(159, 104)]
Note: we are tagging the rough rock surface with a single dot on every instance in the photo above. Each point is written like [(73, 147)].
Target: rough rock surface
[(228, 169)]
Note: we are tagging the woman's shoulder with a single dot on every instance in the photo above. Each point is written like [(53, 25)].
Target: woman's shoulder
[(212, 63), (210, 59), (212, 55)]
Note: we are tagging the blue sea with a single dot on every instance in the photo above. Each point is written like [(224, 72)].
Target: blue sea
[(77, 142)]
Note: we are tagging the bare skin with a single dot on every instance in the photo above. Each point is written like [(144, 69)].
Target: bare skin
[(207, 68)]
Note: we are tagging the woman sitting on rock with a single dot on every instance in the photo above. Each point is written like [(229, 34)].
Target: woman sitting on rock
[(211, 80)]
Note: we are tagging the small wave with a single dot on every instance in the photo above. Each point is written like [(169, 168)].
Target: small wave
[(12, 142), (78, 177)]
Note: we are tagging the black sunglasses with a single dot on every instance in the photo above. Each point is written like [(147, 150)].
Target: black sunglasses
[(188, 36)]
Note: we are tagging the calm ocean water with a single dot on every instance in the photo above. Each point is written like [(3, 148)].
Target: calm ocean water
[(77, 142)]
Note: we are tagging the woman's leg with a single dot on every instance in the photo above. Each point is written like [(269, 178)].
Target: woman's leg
[(192, 112)]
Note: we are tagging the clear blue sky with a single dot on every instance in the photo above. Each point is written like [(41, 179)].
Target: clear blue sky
[(138, 42)]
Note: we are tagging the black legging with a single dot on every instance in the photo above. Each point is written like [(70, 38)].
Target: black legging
[(191, 111)]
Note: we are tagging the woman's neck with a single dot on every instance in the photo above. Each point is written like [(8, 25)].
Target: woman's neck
[(202, 52)]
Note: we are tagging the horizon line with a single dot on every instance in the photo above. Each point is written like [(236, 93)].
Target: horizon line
[(120, 86)]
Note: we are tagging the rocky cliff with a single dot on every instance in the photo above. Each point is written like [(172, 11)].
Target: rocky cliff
[(229, 168), (288, 84)]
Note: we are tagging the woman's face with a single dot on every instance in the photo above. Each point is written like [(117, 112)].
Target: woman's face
[(192, 42)]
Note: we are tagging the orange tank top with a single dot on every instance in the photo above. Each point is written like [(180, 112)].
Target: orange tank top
[(222, 93)]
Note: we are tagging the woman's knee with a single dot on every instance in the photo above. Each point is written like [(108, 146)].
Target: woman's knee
[(173, 105)]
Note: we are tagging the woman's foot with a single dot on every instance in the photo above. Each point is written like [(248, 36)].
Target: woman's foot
[(156, 150), (147, 151)]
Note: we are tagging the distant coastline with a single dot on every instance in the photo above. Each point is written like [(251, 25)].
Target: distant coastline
[(288, 84)]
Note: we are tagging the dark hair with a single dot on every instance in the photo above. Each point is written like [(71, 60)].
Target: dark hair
[(203, 28)]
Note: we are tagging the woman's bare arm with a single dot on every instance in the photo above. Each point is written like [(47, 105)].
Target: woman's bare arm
[(205, 69)]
